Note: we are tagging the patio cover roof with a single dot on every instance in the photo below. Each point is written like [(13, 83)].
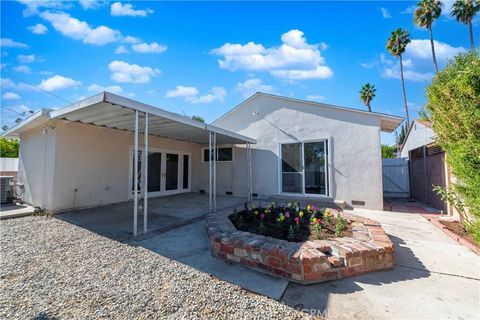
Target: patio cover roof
[(113, 111)]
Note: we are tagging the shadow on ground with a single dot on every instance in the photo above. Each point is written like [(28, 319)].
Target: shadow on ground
[(316, 296)]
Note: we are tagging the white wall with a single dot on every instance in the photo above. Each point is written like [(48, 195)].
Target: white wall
[(356, 166), (36, 164), (419, 135)]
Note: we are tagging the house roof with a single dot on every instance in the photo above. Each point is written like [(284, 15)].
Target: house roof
[(424, 123), (388, 122), (113, 111)]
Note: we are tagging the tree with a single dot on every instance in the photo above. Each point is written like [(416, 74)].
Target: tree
[(388, 151), (454, 105), (367, 93), (402, 135), (464, 11), (9, 148), (198, 118), (396, 45), (426, 13)]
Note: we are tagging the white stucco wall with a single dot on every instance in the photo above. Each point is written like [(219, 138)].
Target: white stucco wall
[(36, 165), (356, 167), (420, 135)]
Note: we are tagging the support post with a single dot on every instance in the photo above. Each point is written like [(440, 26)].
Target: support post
[(145, 174), (249, 171), (135, 175), (214, 172), (210, 171)]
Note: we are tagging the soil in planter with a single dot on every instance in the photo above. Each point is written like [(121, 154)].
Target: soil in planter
[(458, 228), (250, 221)]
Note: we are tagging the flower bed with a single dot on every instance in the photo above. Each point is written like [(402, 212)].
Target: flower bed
[(368, 249), (292, 223)]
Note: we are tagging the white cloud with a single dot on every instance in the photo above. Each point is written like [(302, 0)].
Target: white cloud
[(118, 9), (191, 94), (421, 49), (89, 4), (130, 39), (80, 30), (11, 96), (149, 48), (32, 7), (315, 97), (38, 29), (394, 73), (131, 73), (9, 84), (26, 58), (385, 13), (7, 42), (252, 86), (409, 10), (121, 49), (23, 69), (97, 88), (182, 91), (57, 82), (294, 59)]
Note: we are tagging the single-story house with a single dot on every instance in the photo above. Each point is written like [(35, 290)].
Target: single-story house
[(420, 134), (83, 154)]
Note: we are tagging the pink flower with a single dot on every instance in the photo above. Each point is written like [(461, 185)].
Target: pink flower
[(287, 214), (262, 215), (297, 219), (318, 220)]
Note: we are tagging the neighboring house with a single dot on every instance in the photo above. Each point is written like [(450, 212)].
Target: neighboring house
[(8, 170), (420, 134), (82, 155)]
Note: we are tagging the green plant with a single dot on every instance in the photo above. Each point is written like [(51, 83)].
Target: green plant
[(340, 225), (454, 106), (388, 151), (316, 227), (291, 233), (464, 11), (198, 118), (401, 135), (426, 13), (38, 211), (396, 45), (9, 148), (367, 93)]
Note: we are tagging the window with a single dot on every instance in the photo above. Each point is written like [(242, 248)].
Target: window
[(224, 154)]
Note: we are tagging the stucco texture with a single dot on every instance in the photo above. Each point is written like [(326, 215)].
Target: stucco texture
[(355, 158)]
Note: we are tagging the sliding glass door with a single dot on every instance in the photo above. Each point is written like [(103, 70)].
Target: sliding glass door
[(304, 168)]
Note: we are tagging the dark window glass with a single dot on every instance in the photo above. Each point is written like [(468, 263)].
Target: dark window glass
[(224, 154), (185, 171)]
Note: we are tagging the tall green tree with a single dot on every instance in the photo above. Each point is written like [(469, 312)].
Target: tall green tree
[(401, 135), (9, 148), (426, 13), (464, 11), (396, 45), (367, 93)]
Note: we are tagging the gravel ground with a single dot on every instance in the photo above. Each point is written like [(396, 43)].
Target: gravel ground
[(52, 269)]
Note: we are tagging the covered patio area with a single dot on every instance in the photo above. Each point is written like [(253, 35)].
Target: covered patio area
[(164, 214)]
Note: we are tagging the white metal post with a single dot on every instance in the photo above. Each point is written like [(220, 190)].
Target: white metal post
[(135, 175), (145, 176), (249, 171), (214, 172), (210, 171)]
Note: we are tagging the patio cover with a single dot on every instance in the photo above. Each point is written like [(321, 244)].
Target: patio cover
[(113, 111)]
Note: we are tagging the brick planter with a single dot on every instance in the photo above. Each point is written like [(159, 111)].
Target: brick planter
[(368, 250)]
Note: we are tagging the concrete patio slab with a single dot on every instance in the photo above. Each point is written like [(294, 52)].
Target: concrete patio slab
[(15, 210), (433, 278), (190, 245)]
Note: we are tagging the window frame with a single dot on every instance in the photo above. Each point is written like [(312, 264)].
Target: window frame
[(219, 147)]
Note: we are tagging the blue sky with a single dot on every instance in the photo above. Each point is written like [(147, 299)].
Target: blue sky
[(204, 58)]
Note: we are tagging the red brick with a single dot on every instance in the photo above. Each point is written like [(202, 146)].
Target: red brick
[(228, 249), (335, 261), (248, 262)]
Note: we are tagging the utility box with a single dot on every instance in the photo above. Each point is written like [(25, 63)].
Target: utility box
[(6, 189)]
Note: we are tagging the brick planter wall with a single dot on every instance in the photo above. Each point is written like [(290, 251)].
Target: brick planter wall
[(368, 250)]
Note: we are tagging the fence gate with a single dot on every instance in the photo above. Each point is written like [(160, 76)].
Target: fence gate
[(395, 177)]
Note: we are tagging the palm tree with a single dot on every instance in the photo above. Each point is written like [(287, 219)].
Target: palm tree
[(396, 45), (428, 11), (464, 11), (367, 93)]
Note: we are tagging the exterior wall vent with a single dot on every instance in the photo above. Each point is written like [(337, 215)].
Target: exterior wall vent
[(358, 203)]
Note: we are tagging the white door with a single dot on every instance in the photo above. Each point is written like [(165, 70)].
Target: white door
[(169, 172)]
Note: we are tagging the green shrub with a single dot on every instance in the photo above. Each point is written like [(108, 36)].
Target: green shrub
[(9, 148), (454, 108)]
